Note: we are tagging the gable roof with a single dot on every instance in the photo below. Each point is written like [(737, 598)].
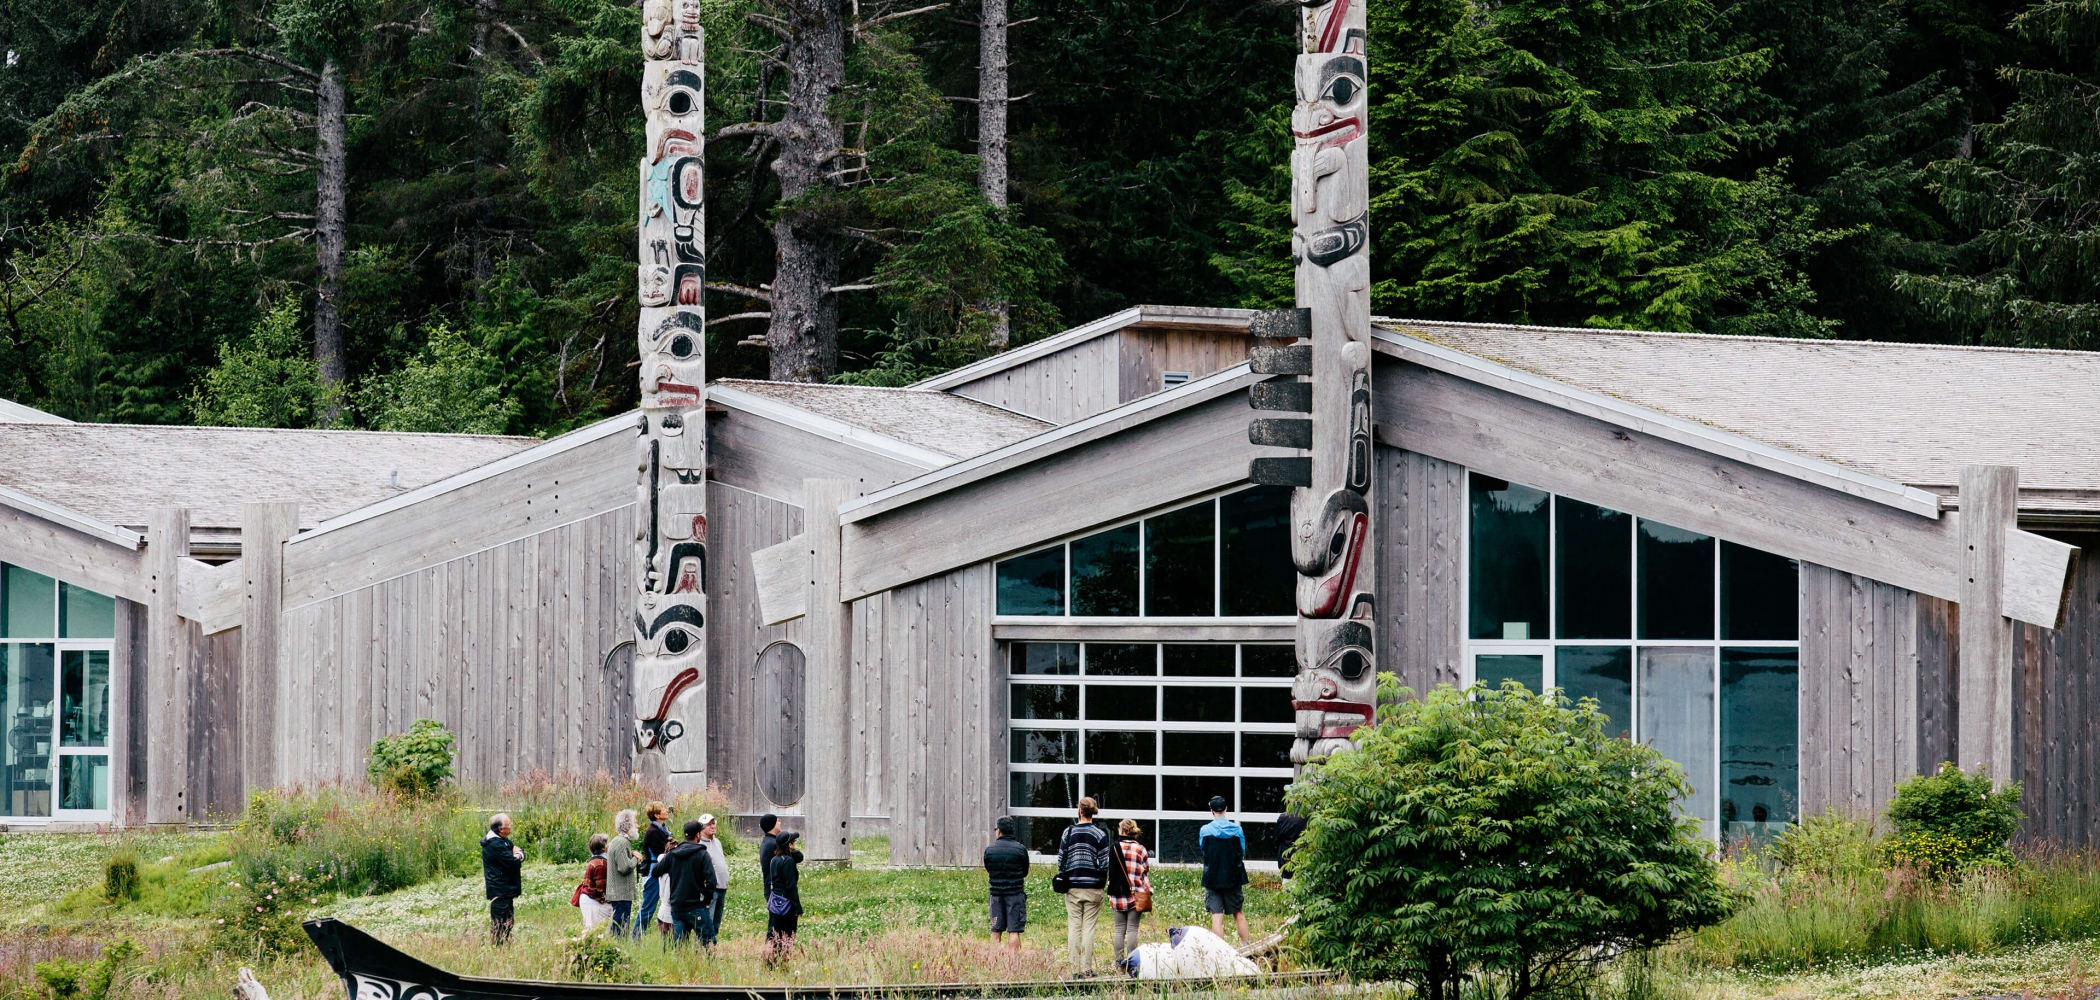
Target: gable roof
[(936, 427), (1142, 316), (12, 412), (117, 473), (1909, 413)]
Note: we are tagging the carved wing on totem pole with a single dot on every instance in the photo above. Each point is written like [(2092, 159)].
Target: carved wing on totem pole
[(1327, 341), (670, 566)]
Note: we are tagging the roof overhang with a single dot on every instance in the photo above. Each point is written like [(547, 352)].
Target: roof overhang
[(1163, 317), (826, 427)]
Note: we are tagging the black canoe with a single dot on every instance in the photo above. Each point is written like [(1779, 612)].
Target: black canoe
[(373, 970)]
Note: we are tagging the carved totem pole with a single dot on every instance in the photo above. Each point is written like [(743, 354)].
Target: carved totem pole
[(670, 564), (1332, 547)]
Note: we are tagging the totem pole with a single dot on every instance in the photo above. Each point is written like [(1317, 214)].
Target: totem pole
[(1331, 543), (670, 559)]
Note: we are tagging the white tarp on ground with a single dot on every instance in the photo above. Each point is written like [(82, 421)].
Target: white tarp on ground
[(1189, 953)]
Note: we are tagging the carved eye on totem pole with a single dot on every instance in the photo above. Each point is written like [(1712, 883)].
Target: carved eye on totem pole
[(1327, 558), (1330, 166), (1336, 688)]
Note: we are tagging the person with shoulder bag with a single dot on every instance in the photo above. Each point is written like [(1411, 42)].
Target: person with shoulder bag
[(1082, 875), (1129, 886), (784, 903)]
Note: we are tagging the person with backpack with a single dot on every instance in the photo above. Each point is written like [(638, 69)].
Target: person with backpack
[(692, 875), (1224, 847), (1129, 886), (1082, 875), (1006, 867), (784, 902)]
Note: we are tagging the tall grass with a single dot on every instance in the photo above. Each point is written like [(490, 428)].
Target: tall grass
[(356, 840)]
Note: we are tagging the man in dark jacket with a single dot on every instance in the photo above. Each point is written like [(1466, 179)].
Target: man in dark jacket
[(1224, 847), (768, 838), (1006, 864), (1289, 827), (501, 874), (692, 885)]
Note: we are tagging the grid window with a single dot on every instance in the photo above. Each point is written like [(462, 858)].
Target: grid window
[(55, 649), (1228, 555)]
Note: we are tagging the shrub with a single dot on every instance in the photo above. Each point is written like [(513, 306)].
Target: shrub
[(593, 957), (1498, 833), (260, 919), (1831, 844), (70, 980), (1952, 820), (120, 877), (414, 763)]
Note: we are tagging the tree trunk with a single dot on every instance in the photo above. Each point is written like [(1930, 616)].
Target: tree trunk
[(329, 224), (991, 130), (803, 339)]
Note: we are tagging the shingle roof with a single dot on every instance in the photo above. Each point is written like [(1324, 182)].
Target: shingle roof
[(936, 421), (1913, 413), (119, 472)]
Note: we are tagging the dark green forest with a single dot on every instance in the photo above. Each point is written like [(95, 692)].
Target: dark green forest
[(1919, 170)]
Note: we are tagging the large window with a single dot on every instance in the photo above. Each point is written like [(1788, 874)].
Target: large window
[(1151, 731), (1230, 556), (55, 645), (1687, 642)]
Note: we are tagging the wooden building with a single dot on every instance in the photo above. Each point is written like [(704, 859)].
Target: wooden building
[(1045, 575)]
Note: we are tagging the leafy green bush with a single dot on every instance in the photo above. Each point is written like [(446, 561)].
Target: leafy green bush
[(1831, 844), (1951, 820), (415, 763), (70, 980), (594, 958), (120, 877), (1495, 833), (260, 919)]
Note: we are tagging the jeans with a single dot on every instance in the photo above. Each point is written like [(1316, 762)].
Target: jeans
[(647, 916), (1082, 915), (714, 917), (694, 922), (502, 917), (621, 909), (1126, 933)]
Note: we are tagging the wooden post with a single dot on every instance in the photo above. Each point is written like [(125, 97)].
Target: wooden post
[(264, 529), (827, 634), (1990, 500), (167, 668), (670, 564)]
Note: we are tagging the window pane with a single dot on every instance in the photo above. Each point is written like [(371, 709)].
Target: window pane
[(1261, 841), (1265, 749), (1760, 727), (1198, 749), (1041, 833), (1601, 672), (85, 783), (1179, 573), (1177, 841), (1033, 584), (1677, 583), (1137, 703), (28, 607), (1043, 791), (1105, 573), (25, 709), (1118, 747), (84, 614), (1258, 578), (1528, 669), (1104, 659), (1266, 704), (1677, 717), (1045, 746), (1121, 791), (1208, 660), (1191, 793), (1593, 558), (1268, 661), (1043, 658), (1508, 560), (84, 699), (1262, 795), (1760, 594), (1045, 701), (1194, 704)]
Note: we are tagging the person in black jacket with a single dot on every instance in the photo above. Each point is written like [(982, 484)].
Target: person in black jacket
[(1082, 864), (768, 838), (1006, 865), (502, 865), (1289, 827), (692, 874), (785, 867), (655, 841)]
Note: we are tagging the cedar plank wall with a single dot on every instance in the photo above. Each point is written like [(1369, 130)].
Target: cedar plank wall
[(925, 666), (1149, 353), (740, 522), (1860, 670), (503, 645), (215, 724), (2055, 702), (1076, 382), (1421, 502)]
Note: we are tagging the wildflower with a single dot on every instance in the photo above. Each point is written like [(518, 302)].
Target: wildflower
[(258, 909), (222, 920)]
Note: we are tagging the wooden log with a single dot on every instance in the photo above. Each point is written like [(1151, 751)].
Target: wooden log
[(827, 737), (167, 669), (1989, 509), (265, 527)]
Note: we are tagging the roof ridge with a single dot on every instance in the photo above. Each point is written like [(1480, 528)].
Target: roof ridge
[(1696, 335), (353, 431), (832, 385)]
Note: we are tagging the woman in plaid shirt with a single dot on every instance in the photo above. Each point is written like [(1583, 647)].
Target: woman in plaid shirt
[(1125, 882)]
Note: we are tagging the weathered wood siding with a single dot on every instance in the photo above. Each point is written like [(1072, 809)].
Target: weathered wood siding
[(1859, 690), (741, 522), (2056, 713), (503, 645), (1079, 381), (1939, 679), (217, 786), (1149, 353), (930, 716), (1422, 518)]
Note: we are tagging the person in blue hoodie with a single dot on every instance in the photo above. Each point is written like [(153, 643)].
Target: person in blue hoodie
[(1224, 847)]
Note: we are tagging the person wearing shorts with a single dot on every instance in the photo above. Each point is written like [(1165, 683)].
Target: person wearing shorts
[(1006, 866), (1224, 847)]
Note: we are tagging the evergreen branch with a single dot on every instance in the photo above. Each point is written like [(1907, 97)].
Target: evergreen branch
[(765, 129), (737, 316), (749, 293)]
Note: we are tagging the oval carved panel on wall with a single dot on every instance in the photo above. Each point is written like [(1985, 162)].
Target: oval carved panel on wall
[(781, 668)]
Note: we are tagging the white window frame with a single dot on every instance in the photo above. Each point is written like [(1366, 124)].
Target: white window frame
[(58, 658)]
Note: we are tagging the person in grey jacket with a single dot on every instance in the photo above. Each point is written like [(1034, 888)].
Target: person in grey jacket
[(721, 866), (621, 860)]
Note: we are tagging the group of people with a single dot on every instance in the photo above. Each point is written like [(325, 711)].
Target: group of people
[(684, 883), (1095, 867)]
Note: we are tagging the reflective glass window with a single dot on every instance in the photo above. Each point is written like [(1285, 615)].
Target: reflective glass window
[(1760, 736), (1266, 704), (1119, 659), (1593, 563), (1177, 840), (1257, 577), (1508, 560), (1105, 573), (1197, 749), (1760, 594), (1045, 701), (1265, 749), (28, 605), (1033, 584), (84, 782), (84, 698), (1677, 717), (1268, 661), (1528, 669), (1122, 791), (1200, 704), (1677, 582), (1137, 703), (1194, 660), (1044, 746), (1043, 658), (84, 614), (26, 706), (1110, 746), (1031, 788), (1601, 672), (1191, 793), (1180, 563), (1262, 795)]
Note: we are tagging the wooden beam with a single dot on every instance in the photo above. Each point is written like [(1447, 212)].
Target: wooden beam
[(265, 527), (756, 453), (828, 677), (1990, 497), (2038, 575), (780, 574), (212, 596), (168, 667), (32, 541)]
